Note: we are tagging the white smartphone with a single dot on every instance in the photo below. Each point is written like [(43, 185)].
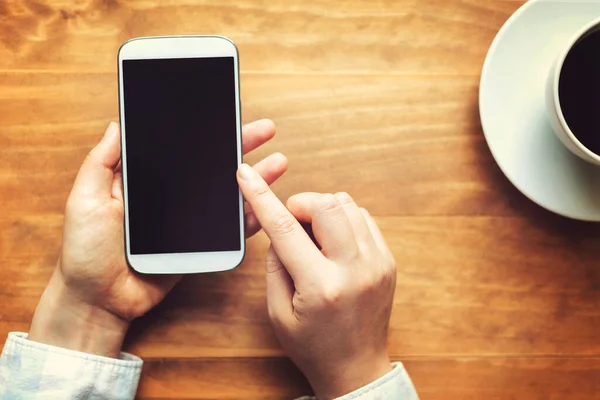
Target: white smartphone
[(181, 147)]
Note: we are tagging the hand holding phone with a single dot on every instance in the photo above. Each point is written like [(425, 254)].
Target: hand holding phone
[(93, 294)]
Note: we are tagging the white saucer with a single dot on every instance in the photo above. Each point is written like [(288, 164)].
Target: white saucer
[(513, 109)]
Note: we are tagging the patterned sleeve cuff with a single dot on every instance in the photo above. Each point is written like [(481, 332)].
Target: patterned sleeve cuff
[(395, 385), (34, 370)]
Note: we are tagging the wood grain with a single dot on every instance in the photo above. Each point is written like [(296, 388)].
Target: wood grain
[(467, 286), (437, 378), (496, 298), (382, 36), (222, 378), (411, 145)]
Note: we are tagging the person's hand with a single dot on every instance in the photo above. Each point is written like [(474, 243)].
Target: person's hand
[(330, 306), (93, 294)]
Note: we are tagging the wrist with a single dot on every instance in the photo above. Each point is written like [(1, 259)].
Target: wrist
[(63, 320), (348, 377)]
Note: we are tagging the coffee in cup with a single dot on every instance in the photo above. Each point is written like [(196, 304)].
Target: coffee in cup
[(574, 94)]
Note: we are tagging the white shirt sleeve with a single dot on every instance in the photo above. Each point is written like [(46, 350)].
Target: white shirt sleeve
[(395, 385), (35, 371)]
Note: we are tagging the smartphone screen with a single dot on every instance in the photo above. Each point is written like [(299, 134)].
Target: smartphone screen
[(181, 155)]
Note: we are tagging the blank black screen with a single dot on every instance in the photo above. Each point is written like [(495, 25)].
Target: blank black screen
[(181, 153)]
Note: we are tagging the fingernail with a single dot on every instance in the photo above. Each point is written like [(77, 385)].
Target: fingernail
[(111, 130), (246, 172)]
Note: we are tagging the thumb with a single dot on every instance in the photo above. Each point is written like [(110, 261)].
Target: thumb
[(280, 290), (95, 177)]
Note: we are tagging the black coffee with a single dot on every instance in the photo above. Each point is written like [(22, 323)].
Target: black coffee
[(579, 91)]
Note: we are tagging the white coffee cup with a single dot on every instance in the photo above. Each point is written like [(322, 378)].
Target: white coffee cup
[(555, 113)]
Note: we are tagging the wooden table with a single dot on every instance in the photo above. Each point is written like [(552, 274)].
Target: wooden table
[(496, 298)]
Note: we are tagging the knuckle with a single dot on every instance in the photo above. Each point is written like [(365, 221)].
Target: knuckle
[(331, 296), (353, 255), (81, 205), (388, 260), (284, 225), (344, 198), (369, 283), (392, 281), (392, 264), (376, 281), (260, 190), (388, 277), (272, 266), (331, 292), (388, 281), (327, 202)]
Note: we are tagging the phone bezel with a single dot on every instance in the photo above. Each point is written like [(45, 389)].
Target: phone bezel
[(162, 47)]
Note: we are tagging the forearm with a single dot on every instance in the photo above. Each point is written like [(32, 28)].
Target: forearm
[(73, 351), (343, 378), (395, 385), (64, 321)]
